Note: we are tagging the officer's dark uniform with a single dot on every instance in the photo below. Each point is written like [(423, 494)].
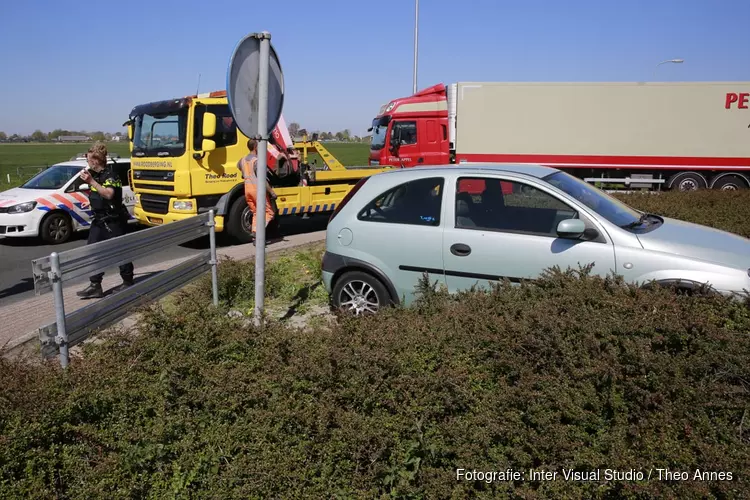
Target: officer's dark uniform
[(109, 221)]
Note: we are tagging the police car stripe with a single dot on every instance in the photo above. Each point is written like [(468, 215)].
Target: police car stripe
[(75, 215), (45, 203), (65, 201), (79, 197)]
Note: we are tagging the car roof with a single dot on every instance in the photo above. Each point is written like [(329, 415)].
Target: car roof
[(84, 163), (532, 170)]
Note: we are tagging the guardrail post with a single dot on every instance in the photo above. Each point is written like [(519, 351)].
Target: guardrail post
[(213, 261), (62, 336)]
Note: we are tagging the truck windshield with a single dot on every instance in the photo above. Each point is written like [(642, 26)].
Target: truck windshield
[(607, 206), (378, 134), (160, 134)]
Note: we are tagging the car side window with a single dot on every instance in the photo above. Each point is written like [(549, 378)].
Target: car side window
[(508, 206), (226, 128), (417, 202), (122, 170)]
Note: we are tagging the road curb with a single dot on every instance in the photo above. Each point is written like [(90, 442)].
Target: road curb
[(19, 344)]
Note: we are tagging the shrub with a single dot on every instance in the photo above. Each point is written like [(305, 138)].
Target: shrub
[(288, 277), (725, 210), (574, 371)]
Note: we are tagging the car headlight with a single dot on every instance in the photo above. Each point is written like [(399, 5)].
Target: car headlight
[(22, 207), (182, 205)]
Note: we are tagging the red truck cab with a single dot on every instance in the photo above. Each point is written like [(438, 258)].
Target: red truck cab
[(412, 131)]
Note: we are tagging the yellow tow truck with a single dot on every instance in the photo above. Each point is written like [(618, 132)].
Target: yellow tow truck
[(184, 155)]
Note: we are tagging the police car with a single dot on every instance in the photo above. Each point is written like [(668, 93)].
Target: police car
[(50, 204)]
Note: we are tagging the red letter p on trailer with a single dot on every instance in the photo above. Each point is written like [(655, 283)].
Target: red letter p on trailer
[(731, 97)]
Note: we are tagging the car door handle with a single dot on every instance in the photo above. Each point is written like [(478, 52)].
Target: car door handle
[(460, 249)]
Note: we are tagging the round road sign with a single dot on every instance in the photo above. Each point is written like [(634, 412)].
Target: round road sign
[(243, 89)]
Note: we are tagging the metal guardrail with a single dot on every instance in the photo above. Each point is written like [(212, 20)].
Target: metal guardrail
[(72, 329), (86, 260)]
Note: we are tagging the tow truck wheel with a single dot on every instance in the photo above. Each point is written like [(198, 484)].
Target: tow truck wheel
[(56, 228), (240, 220)]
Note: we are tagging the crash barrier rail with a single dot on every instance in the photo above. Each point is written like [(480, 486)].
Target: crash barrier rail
[(72, 329)]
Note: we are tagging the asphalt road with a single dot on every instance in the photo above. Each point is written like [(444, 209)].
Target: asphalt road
[(16, 254)]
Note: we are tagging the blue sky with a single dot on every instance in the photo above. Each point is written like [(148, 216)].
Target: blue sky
[(83, 65)]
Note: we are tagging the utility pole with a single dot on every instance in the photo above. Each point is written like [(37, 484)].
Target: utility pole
[(416, 33)]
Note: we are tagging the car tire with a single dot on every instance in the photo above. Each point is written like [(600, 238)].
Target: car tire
[(358, 293), (56, 228), (239, 221)]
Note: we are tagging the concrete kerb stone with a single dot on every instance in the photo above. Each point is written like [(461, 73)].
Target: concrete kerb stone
[(27, 343)]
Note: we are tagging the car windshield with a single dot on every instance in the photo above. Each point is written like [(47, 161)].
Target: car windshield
[(160, 134), (378, 134), (54, 177), (607, 206)]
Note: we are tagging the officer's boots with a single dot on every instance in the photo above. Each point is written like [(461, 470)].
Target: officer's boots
[(93, 291)]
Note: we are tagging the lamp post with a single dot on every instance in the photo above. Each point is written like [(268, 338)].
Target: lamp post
[(416, 28), (674, 61)]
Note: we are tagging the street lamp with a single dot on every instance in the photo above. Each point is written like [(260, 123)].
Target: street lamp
[(416, 27), (675, 61)]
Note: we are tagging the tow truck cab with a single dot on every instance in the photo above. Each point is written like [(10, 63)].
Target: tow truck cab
[(184, 160)]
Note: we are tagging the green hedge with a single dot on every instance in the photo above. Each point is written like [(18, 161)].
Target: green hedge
[(573, 372), (727, 210)]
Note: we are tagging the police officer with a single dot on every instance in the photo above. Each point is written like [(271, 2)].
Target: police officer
[(109, 214)]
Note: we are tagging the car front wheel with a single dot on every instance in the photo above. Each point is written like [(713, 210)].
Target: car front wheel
[(56, 228), (359, 293)]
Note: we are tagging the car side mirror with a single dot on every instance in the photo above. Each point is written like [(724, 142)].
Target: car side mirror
[(571, 228), (208, 145), (84, 187), (209, 125)]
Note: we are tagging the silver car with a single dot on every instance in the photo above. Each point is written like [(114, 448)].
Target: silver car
[(468, 225)]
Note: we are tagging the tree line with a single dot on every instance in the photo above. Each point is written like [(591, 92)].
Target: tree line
[(39, 136), (295, 130), (343, 135)]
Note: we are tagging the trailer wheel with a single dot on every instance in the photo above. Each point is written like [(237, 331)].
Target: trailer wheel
[(729, 182), (239, 221), (687, 181)]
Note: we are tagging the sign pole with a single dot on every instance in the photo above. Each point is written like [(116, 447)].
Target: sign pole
[(255, 92), (260, 212)]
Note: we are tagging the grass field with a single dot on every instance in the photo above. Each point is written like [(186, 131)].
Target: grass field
[(17, 160), (349, 154)]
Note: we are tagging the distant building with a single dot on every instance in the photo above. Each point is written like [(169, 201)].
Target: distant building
[(73, 138)]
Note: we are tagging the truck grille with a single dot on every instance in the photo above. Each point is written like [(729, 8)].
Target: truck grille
[(155, 203), (155, 187), (153, 175)]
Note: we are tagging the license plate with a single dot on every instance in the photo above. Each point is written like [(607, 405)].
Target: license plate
[(154, 220)]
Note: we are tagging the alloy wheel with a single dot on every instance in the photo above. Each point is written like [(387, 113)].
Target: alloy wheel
[(359, 297), (58, 229)]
